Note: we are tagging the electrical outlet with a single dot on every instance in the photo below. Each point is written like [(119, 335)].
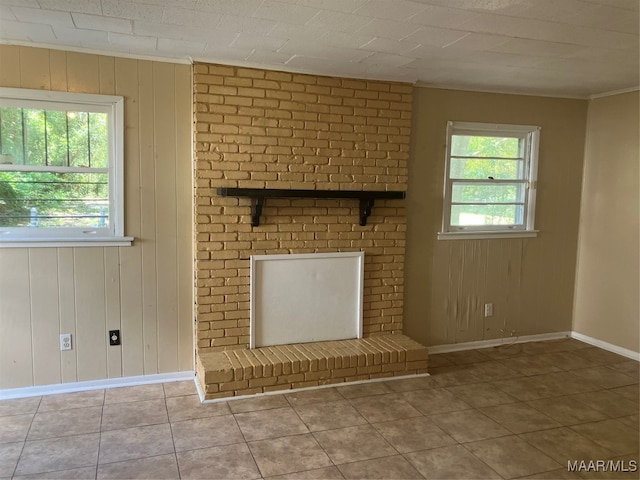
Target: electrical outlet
[(114, 337), (65, 341), (488, 309)]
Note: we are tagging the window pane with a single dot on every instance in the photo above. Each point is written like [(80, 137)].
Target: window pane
[(476, 168), (44, 199), (470, 215), (34, 124), (11, 139), (483, 146), (487, 193), (97, 127)]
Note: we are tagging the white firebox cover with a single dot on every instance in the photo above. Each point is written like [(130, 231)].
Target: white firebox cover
[(302, 298)]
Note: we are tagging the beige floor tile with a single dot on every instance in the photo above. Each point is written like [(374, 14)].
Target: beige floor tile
[(266, 402), (288, 454), (364, 390), (435, 400), (450, 463), (519, 417), (466, 357), (134, 414), (632, 421), (381, 408), (617, 468), (457, 375), (64, 401), (62, 453), (82, 473), (530, 365), (566, 410), (565, 383), (439, 360), (469, 425), (492, 370), (564, 360), (410, 384), (598, 356), (380, 468), (327, 473), (14, 428), (607, 402), (229, 461), (628, 367), (133, 394), (560, 474), (205, 433), (512, 457), (480, 395), (352, 444), (526, 388), (327, 415), (499, 352), (630, 392), (611, 434), (160, 467), (9, 454), (189, 407), (270, 423), (565, 445), (178, 389), (413, 434), (134, 443), (60, 423), (605, 377), (19, 406), (313, 396)]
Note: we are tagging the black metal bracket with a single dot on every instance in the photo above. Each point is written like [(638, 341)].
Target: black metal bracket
[(259, 195)]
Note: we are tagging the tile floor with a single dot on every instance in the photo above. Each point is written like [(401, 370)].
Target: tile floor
[(508, 412)]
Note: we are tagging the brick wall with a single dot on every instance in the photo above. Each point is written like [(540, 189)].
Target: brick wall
[(257, 128)]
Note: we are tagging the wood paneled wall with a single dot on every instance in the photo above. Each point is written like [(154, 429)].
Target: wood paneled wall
[(145, 290)]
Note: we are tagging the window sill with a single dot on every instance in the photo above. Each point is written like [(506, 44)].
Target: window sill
[(478, 235), (31, 242)]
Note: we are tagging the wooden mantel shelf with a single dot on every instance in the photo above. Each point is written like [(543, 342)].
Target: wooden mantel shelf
[(258, 196)]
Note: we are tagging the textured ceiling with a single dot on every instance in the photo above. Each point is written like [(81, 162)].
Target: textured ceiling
[(552, 47)]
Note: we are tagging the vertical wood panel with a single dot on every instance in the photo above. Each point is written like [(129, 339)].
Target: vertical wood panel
[(34, 68), (148, 216), (58, 69), (126, 78), (112, 301), (83, 72), (91, 334), (67, 306), (16, 365), (9, 66), (184, 209), (106, 69), (43, 270), (166, 221)]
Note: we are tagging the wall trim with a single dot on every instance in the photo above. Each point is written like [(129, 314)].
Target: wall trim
[(614, 92), (496, 342), (36, 391), (607, 346)]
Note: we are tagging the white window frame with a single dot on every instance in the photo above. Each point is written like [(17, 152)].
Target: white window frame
[(113, 235), (531, 135)]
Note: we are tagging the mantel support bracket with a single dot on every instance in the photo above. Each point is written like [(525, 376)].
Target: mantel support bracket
[(256, 210), (366, 204)]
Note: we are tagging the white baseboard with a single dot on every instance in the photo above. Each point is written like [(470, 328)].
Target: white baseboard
[(625, 352), (94, 384), (496, 342)]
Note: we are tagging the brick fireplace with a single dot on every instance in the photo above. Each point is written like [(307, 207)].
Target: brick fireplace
[(267, 129)]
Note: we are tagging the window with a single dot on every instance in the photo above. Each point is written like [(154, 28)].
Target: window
[(61, 166), (490, 180)]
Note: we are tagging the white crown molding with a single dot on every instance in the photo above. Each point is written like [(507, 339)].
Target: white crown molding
[(95, 384), (500, 91), (614, 92)]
